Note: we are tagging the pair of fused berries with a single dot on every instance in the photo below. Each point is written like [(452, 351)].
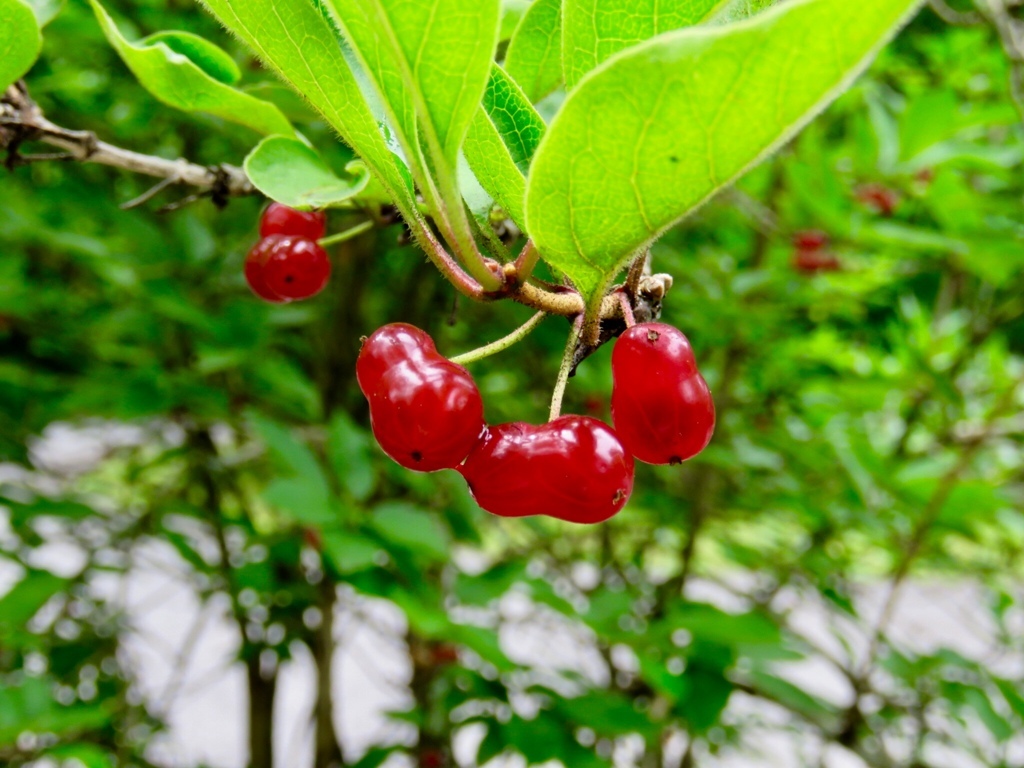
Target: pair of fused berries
[(427, 414), (287, 264), (811, 253)]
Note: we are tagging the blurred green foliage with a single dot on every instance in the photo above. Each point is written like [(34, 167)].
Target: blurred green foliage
[(869, 433)]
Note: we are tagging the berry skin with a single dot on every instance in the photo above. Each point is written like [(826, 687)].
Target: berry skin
[(388, 346), (281, 220), (661, 406), (810, 240), (254, 264), (811, 262), (295, 267), (879, 198), (427, 414), (573, 468)]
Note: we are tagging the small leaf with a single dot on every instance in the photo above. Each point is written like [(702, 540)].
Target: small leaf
[(350, 552), (208, 57), (791, 697), (534, 57), (710, 624), (303, 491), (20, 40), (348, 449), (501, 142), (173, 78), (412, 528), (653, 133), (27, 597), (296, 41), (595, 30), (290, 172)]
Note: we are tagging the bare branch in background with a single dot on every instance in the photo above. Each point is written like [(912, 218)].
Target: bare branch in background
[(22, 121)]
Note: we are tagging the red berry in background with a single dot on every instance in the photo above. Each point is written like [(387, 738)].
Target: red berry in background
[(295, 267), (573, 468), (810, 240), (811, 262), (254, 264), (662, 409), (432, 758), (388, 346), (879, 198), (426, 414), (281, 220)]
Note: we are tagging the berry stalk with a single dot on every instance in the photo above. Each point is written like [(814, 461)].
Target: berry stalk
[(501, 344), (568, 358)]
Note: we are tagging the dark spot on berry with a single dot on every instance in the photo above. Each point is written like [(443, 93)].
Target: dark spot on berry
[(417, 456), (290, 279), (675, 461), (653, 336)]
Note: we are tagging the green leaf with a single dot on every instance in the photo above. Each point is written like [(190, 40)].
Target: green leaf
[(291, 172), (46, 10), (178, 81), (534, 57), (208, 57), (411, 528), (441, 51), (512, 12), (293, 39), (303, 491), (348, 450), (595, 30), (653, 133), (501, 142), (27, 597), (710, 624), (350, 552), (20, 40), (790, 696)]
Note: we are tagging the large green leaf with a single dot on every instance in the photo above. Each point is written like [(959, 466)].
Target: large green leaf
[(501, 142), (178, 81), (595, 30), (655, 131), (292, 38), (534, 56), (430, 62), (291, 172), (20, 40)]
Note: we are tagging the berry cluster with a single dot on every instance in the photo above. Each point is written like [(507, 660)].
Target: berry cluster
[(427, 414), (287, 263), (811, 253)]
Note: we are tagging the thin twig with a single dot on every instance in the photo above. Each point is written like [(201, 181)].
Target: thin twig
[(501, 344)]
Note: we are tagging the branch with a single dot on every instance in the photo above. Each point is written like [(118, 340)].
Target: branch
[(22, 120)]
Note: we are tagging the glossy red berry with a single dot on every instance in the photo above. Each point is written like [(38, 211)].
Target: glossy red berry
[(388, 346), (279, 219), (426, 414), (810, 240), (573, 468), (295, 267), (662, 408), (254, 264)]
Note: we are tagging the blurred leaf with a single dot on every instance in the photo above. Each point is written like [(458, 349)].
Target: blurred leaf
[(25, 599), (351, 457), (413, 528), (292, 173), (710, 624), (178, 81), (46, 10), (350, 552), (790, 696)]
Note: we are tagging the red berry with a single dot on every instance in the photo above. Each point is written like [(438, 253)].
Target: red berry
[(813, 261), (810, 240), (254, 264), (879, 198), (295, 267), (661, 405), (281, 220), (426, 414), (387, 346), (573, 468)]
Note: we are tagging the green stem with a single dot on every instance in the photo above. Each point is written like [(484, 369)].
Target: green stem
[(348, 234), (563, 373), (527, 260), (502, 344)]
